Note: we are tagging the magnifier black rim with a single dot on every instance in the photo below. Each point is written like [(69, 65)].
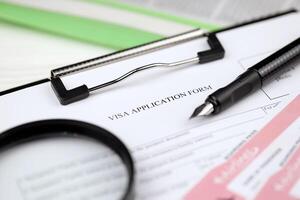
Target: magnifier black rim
[(65, 127)]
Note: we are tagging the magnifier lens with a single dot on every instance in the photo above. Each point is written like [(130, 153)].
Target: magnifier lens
[(61, 168)]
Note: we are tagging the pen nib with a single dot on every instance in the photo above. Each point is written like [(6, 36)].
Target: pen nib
[(204, 109)]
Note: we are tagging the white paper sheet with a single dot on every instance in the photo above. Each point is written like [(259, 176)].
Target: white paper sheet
[(150, 112)]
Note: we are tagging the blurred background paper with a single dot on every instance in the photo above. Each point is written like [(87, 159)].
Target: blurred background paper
[(221, 12), (37, 36)]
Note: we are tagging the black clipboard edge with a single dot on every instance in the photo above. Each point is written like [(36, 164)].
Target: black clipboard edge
[(217, 31), (24, 86), (263, 18)]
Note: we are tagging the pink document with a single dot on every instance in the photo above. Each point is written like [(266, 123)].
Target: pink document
[(266, 167)]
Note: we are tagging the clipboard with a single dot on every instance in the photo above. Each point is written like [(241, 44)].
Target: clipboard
[(138, 51), (134, 110)]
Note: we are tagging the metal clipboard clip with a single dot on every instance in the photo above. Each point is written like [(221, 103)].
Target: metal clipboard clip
[(65, 96)]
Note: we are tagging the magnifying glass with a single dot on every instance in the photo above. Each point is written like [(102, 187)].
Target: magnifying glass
[(64, 159)]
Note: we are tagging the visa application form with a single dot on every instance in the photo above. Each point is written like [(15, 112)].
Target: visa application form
[(150, 113)]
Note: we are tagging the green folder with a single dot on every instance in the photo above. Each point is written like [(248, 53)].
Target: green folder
[(110, 35)]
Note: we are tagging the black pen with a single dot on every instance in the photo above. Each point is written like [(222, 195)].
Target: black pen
[(251, 80)]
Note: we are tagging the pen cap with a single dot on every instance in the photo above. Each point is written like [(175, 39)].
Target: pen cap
[(278, 62)]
